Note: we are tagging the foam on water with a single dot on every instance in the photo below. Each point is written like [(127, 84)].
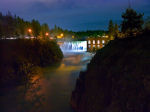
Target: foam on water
[(74, 46)]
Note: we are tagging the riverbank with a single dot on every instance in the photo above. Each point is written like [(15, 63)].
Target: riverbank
[(21, 58), (50, 90), (117, 78)]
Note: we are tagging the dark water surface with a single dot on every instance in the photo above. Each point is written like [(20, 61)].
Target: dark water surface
[(49, 91)]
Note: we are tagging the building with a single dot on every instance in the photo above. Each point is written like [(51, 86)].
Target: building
[(94, 43)]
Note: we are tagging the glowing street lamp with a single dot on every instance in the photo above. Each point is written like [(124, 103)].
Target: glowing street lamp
[(47, 34), (61, 34), (29, 30)]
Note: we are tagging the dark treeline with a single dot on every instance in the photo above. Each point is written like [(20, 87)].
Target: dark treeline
[(133, 24), (79, 35), (84, 34), (20, 59), (14, 26), (117, 78)]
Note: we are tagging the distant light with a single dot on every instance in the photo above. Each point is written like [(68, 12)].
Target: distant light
[(93, 41), (89, 42), (61, 34), (51, 38), (30, 30), (47, 34), (32, 37), (27, 37), (106, 36), (103, 41), (98, 42), (73, 36)]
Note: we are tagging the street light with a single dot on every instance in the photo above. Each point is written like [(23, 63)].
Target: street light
[(61, 34), (47, 34), (29, 30)]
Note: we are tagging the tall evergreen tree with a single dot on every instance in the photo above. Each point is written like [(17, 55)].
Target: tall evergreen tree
[(44, 29), (116, 30), (147, 23), (36, 28), (132, 21), (111, 29)]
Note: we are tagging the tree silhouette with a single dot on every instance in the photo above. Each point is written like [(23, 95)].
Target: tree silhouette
[(113, 30), (11, 26), (132, 21), (147, 23)]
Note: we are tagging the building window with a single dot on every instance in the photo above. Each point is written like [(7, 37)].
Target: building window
[(89, 42), (93, 46), (98, 41), (103, 41), (89, 46), (98, 46), (93, 41)]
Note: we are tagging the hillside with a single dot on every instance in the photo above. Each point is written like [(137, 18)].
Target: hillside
[(117, 78), (18, 59)]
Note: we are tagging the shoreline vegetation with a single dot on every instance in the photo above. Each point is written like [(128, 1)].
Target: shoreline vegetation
[(117, 78), (14, 26), (22, 58), (25, 47)]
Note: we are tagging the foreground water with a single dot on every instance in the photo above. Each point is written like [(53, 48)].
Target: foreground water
[(49, 91)]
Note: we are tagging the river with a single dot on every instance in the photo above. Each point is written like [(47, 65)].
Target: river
[(49, 91)]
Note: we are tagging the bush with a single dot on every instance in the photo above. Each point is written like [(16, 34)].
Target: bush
[(19, 57)]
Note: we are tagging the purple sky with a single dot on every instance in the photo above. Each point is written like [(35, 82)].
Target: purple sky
[(73, 14)]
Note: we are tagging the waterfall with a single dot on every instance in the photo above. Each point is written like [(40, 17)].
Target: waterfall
[(74, 46)]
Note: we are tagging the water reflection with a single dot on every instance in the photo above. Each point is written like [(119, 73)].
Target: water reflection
[(50, 91)]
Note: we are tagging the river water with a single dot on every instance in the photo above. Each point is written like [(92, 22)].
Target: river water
[(49, 91)]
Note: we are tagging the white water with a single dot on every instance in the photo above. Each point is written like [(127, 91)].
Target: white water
[(74, 46)]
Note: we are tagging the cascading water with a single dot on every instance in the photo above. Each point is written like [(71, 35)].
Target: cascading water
[(74, 46)]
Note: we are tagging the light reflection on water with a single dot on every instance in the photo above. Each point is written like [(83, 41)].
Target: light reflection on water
[(50, 91)]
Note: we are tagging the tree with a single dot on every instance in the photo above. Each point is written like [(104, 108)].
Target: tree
[(1, 25), (147, 23), (111, 28), (116, 30), (44, 29), (132, 21), (36, 28)]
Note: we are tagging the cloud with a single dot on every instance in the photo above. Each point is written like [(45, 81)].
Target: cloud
[(73, 14)]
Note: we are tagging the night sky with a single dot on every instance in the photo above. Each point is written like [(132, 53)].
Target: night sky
[(73, 14)]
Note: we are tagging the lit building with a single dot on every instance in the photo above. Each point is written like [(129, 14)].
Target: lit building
[(96, 43)]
